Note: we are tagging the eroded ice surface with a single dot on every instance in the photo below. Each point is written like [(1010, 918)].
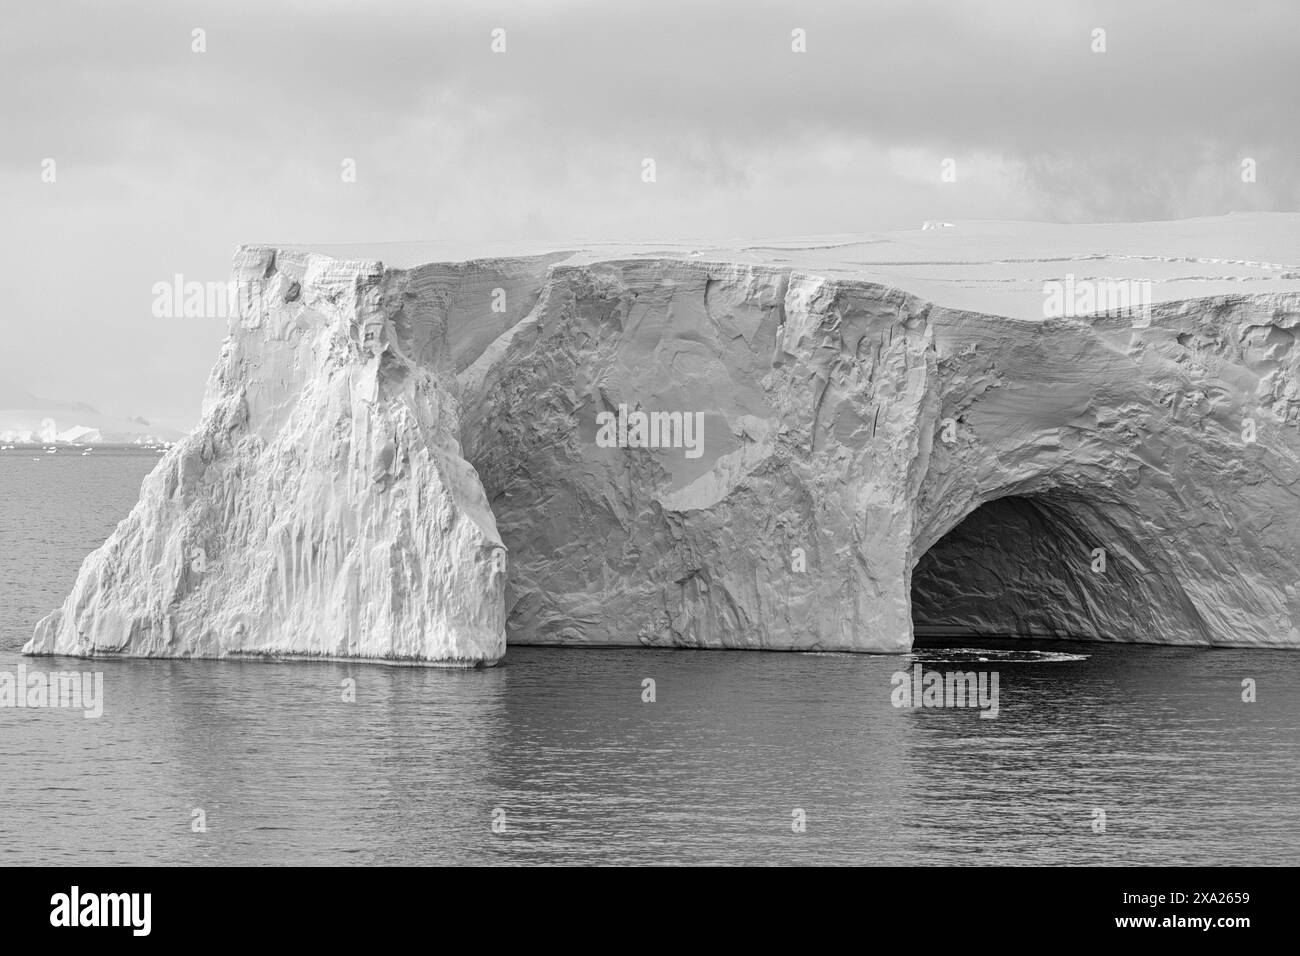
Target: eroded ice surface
[(374, 434)]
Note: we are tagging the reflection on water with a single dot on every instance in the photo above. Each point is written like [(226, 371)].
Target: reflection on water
[(286, 771)]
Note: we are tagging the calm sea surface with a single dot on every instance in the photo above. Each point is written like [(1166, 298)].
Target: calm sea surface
[(561, 744)]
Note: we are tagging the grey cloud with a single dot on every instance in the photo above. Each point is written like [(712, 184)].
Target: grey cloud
[(168, 158)]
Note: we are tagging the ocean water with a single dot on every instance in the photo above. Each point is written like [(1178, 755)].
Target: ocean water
[(559, 746)]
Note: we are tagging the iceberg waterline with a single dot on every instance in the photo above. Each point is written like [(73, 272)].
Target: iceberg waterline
[(375, 440)]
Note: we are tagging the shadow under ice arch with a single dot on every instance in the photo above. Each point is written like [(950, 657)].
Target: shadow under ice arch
[(1050, 565)]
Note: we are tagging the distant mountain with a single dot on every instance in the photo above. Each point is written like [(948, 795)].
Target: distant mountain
[(13, 397), (26, 418)]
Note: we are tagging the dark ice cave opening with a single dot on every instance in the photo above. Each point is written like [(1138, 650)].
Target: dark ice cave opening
[(1015, 568)]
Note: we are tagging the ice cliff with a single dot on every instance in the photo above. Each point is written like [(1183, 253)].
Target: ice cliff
[(872, 463), (322, 508)]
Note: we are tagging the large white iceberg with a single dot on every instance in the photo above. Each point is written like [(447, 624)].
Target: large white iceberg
[(897, 436)]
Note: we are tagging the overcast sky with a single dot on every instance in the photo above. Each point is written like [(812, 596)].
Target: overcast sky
[(166, 159)]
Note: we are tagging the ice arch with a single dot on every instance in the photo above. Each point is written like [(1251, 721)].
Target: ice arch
[(1050, 566)]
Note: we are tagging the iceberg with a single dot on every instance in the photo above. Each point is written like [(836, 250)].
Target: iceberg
[(80, 434), (424, 461)]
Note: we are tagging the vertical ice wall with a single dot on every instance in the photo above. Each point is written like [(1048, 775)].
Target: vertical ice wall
[(322, 507)]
